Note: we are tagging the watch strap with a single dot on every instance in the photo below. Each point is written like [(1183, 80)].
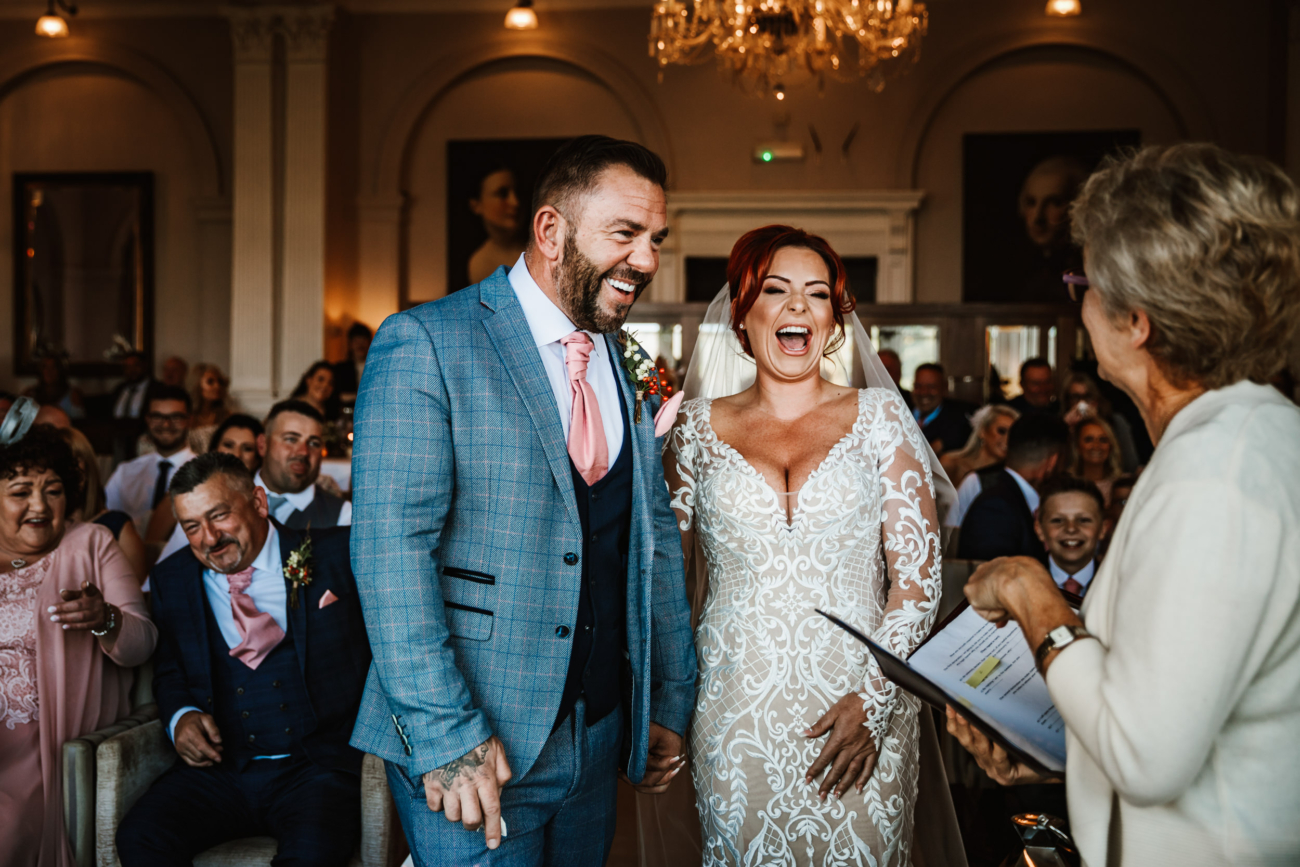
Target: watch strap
[(1049, 643)]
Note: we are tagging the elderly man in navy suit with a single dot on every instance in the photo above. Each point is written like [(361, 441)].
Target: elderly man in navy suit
[(261, 661)]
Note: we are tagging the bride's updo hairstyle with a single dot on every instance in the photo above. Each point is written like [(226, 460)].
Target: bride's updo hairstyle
[(749, 263)]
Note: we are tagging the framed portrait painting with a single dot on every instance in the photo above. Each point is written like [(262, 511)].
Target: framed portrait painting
[(1016, 194), (490, 186)]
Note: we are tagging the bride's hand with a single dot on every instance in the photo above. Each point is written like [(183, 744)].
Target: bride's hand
[(850, 753)]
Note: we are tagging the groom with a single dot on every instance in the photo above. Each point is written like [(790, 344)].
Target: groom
[(515, 553)]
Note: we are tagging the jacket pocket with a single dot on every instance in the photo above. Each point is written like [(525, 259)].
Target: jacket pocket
[(465, 621), (469, 575)]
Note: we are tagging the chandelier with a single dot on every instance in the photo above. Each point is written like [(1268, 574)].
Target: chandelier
[(767, 44)]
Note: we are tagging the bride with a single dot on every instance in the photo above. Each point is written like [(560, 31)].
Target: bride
[(803, 494)]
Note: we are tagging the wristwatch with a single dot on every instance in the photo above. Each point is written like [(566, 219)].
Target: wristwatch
[(109, 623), (1058, 638)]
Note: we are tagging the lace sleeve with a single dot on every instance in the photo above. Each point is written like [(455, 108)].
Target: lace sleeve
[(910, 533), (679, 469)]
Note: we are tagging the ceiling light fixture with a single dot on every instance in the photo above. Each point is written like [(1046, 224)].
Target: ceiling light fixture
[(521, 16), (1064, 8), (52, 24)]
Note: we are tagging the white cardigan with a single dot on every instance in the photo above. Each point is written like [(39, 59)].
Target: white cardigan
[(1186, 713)]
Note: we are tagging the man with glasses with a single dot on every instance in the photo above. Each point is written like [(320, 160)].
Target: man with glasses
[(138, 486)]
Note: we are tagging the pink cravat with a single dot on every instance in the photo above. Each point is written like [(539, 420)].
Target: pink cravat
[(258, 629), (587, 446), (1072, 586)]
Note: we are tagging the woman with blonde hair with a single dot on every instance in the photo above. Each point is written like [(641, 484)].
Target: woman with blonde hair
[(1096, 455), (987, 444), (210, 397), (1081, 399), (94, 509), (1179, 684)]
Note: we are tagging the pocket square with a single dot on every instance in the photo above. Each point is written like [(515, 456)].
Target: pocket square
[(328, 599), (667, 414)]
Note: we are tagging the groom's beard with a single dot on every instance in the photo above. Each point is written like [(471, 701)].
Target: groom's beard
[(578, 284)]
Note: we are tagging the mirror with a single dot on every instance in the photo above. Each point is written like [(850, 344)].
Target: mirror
[(83, 262)]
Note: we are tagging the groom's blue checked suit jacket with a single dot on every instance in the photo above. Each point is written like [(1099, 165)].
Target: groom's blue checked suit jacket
[(464, 535)]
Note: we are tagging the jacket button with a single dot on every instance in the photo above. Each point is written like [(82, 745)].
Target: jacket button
[(571, 559), (244, 715), (289, 730), (239, 690), (252, 738), (275, 683), (562, 631), (209, 701), (284, 707)]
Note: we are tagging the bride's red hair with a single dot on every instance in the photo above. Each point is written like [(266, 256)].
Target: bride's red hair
[(750, 260)]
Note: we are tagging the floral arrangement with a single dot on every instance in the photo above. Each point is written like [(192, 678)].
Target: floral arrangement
[(297, 570), (641, 370)]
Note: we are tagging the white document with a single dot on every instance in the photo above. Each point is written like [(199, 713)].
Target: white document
[(992, 672)]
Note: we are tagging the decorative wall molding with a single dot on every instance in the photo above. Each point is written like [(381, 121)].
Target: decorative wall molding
[(878, 223)]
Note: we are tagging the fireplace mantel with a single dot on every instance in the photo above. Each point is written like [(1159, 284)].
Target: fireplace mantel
[(878, 223)]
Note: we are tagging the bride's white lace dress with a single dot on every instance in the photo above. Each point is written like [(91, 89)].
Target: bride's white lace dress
[(770, 666)]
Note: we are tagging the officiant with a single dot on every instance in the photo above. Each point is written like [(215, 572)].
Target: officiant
[(1179, 684)]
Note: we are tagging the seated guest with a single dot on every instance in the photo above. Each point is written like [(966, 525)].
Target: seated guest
[(1000, 523), (894, 367), (1179, 685), (316, 388), (1096, 455), (72, 626), (54, 417), (292, 449), (347, 373), (53, 389), (1072, 524), (237, 436), (129, 396), (92, 507), (210, 397), (174, 372), (1037, 388), (258, 679), (944, 423), (139, 485), (986, 446), (1081, 399)]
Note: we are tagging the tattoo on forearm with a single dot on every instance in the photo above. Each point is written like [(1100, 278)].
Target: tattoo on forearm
[(465, 766)]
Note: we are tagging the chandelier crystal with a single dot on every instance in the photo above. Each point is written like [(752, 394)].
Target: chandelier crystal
[(768, 43)]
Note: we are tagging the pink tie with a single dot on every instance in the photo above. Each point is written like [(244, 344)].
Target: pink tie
[(1072, 586), (587, 446), (258, 629)]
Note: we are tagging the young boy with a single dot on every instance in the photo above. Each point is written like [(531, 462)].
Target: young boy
[(1071, 523)]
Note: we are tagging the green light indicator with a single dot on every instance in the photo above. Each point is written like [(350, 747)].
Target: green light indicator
[(767, 156)]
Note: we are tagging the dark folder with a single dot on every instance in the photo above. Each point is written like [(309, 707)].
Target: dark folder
[(928, 691)]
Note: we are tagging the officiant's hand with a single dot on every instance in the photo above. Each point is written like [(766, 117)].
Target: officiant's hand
[(991, 758), (468, 789), (850, 753), (663, 763)]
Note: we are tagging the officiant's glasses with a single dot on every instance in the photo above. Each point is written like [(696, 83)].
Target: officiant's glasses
[(1076, 283)]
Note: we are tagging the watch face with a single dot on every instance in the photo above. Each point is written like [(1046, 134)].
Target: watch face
[(1060, 635)]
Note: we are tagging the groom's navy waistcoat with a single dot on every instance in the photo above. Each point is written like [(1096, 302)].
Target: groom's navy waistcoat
[(600, 634), (263, 711)]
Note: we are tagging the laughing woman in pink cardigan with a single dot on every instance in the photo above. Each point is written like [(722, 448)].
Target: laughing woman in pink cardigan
[(72, 624)]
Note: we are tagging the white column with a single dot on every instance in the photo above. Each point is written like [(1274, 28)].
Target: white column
[(252, 281), (301, 323)]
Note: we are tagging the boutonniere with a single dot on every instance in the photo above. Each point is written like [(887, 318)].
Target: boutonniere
[(297, 570), (640, 369)]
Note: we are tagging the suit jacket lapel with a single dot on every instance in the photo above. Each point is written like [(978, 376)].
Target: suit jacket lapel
[(289, 540), (514, 343), (644, 457)]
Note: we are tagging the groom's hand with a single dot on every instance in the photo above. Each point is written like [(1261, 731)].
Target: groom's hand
[(468, 789), (663, 762)]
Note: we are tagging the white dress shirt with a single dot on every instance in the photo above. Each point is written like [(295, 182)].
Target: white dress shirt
[(130, 403), (971, 488), (268, 592), (1083, 576), (130, 488), (299, 502), (548, 324)]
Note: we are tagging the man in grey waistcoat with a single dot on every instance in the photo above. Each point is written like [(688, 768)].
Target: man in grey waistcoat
[(292, 448)]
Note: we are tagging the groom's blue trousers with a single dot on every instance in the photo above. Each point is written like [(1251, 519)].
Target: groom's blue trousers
[(560, 814)]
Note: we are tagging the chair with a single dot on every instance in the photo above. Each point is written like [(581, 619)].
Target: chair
[(106, 772)]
